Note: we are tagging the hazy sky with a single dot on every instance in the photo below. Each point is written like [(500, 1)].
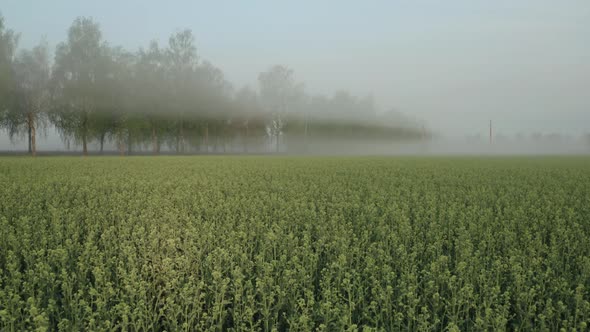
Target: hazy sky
[(456, 64)]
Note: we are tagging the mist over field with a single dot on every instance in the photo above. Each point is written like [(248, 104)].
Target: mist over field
[(329, 78)]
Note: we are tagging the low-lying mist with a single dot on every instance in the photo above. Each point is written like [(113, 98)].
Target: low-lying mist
[(49, 142)]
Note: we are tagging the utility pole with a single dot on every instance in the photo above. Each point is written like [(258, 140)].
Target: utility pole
[(490, 131)]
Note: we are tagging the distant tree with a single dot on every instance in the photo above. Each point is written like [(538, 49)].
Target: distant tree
[(116, 102), (168, 96), (248, 114), (212, 106), (78, 77), (31, 72), (536, 137), (8, 43), (182, 63), (152, 93), (102, 125), (278, 90)]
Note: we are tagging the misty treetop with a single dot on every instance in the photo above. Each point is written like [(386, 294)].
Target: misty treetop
[(166, 96)]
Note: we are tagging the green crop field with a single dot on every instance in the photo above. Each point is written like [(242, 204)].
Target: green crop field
[(294, 243)]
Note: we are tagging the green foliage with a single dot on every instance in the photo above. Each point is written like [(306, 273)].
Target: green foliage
[(324, 244), (169, 97), (8, 43)]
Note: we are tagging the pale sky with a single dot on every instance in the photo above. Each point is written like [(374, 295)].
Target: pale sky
[(455, 64)]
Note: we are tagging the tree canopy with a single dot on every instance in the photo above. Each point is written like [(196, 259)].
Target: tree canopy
[(167, 98)]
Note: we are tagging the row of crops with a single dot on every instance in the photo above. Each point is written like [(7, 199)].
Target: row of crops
[(300, 244)]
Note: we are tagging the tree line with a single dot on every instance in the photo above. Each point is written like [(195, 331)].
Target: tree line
[(167, 97)]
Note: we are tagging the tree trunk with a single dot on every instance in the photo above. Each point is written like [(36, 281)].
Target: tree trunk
[(120, 142), (32, 134), (222, 139), (305, 133), (31, 128), (278, 133), (84, 145), (216, 141), (155, 148), (206, 137), (181, 136), (30, 146), (33, 141), (129, 145), (246, 140), (84, 134), (102, 135), (272, 139)]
